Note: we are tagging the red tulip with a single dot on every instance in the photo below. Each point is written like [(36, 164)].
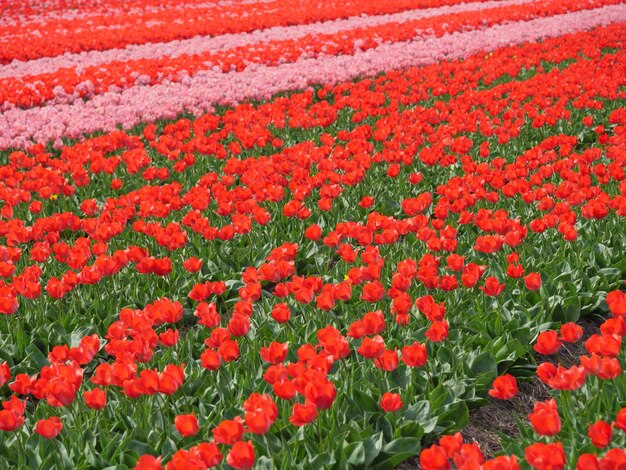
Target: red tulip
[(281, 313), (546, 371), (148, 462), (371, 347), (600, 433), (504, 387), (434, 458), (438, 331), (414, 355), (49, 428), (321, 392), (502, 462), (390, 402), (313, 232), (241, 455), (228, 431), (5, 373), (547, 342), (532, 281), (95, 399), (492, 287), (545, 418), (192, 264), (275, 353), (187, 425), (209, 453), (451, 444), (515, 270), (587, 462), (545, 456), (571, 332), (620, 420), (229, 350), (303, 414), (614, 458), (388, 360)]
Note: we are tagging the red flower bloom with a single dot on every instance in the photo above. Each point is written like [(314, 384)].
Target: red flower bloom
[(169, 337), (275, 353), (492, 287), (187, 425), (620, 420), (371, 347), (284, 389), (49, 428), (504, 387), (414, 355), (5, 373), (390, 402), (210, 359), (545, 456), (388, 360), (546, 371), (515, 270), (148, 462), (438, 331), (600, 433), (587, 462), (192, 264), (532, 281), (313, 232), (571, 332), (547, 342), (228, 431), (171, 378), (434, 458), (281, 313), (320, 392), (470, 456), (229, 350), (303, 414), (616, 300), (603, 345), (95, 399), (545, 418), (501, 463), (239, 325), (209, 453), (241, 455), (568, 379), (451, 444), (373, 291), (366, 202), (613, 459)]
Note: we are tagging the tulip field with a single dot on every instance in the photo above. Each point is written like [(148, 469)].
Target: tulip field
[(321, 234)]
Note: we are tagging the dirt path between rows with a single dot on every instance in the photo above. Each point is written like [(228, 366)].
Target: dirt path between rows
[(488, 422)]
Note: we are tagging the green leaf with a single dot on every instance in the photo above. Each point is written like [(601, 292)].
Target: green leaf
[(373, 446), (355, 454), (419, 411), (264, 463), (396, 452), (453, 417), (484, 363), (324, 460)]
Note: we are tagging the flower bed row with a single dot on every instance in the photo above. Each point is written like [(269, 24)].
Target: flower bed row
[(202, 44), (57, 37), (196, 94), (67, 86)]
